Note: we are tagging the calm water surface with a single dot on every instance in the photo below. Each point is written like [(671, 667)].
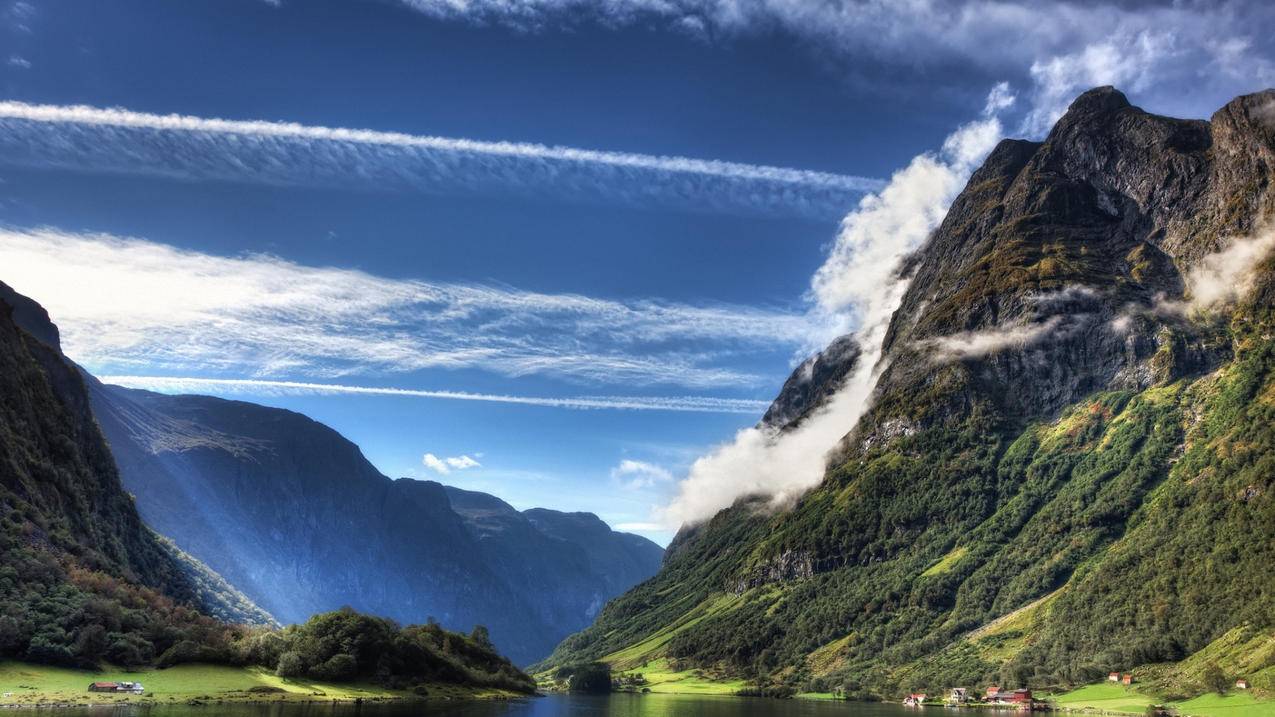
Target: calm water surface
[(619, 705)]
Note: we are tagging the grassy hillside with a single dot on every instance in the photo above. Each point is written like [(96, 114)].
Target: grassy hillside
[(1120, 534)]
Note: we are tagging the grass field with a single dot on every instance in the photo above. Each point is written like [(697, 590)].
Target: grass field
[(662, 679), (1109, 697), (1105, 696), (41, 684)]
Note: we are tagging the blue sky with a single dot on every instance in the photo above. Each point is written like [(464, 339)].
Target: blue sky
[(639, 204)]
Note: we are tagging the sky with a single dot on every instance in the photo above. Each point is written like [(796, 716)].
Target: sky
[(562, 251)]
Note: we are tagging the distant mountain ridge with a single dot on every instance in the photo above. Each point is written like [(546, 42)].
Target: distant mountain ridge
[(290, 512)]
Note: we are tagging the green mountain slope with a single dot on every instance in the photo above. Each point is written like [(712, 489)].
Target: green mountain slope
[(81, 578), (1092, 493)]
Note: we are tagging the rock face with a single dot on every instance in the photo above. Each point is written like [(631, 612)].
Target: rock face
[(291, 513), (810, 385), (1043, 378)]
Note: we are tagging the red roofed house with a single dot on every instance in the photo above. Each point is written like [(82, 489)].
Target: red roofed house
[(992, 693), (1021, 699), (916, 699), (1241, 684), (103, 687), (1127, 679), (1113, 677)]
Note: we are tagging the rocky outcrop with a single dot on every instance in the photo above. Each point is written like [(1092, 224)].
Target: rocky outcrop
[(810, 385), (1043, 281)]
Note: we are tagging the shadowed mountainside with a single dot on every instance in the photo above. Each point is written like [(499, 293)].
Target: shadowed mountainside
[(291, 512)]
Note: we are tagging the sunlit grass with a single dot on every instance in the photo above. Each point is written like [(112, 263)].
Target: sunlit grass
[(37, 684)]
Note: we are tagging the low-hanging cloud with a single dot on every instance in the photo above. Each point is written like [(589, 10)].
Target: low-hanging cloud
[(129, 305), (1056, 315), (119, 141), (857, 289), (1227, 275), (976, 344), (265, 387)]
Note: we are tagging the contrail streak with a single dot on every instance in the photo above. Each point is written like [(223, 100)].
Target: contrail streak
[(695, 404), (290, 154)]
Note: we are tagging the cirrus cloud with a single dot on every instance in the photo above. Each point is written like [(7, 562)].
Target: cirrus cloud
[(126, 304)]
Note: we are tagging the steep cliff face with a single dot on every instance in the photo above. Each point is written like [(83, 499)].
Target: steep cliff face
[(291, 512), (81, 578), (1052, 413)]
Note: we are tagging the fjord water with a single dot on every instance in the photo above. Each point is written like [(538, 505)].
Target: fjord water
[(617, 705)]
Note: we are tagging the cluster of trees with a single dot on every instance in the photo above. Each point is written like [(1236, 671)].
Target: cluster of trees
[(590, 677), (345, 645), (82, 618)]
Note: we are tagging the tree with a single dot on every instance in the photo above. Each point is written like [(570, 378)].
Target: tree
[(1214, 679), (481, 636), (290, 665)]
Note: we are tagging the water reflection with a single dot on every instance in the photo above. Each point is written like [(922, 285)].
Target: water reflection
[(619, 705)]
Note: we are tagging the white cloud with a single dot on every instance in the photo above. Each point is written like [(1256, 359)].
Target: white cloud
[(639, 527), (444, 466), (128, 304), (19, 62), (434, 463), (975, 344), (1227, 275), (1130, 63), (260, 387), (857, 289), (636, 475), (282, 153)]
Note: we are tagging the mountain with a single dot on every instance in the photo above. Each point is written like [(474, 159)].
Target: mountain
[(1066, 467), (81, 578), (291, 512), (572, 562)]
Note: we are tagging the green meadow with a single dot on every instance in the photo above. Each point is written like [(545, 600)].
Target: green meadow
[(41, 684)]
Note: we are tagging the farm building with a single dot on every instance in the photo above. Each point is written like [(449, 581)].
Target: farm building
[(117, 687), (1113, 677), (1241, 684), (1126, 679)]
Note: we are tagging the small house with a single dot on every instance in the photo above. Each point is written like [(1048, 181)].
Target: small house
[(1241, 684), (133, 687), (959, 696), (104, 687), (1126, 679), (1017, 697), (916, 699), (992, 693), (1113, 677)]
